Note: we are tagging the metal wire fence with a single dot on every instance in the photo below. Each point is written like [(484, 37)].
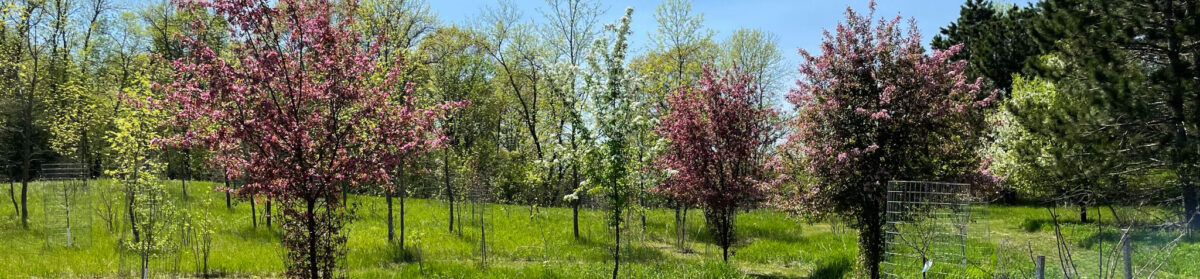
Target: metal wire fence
[(928, 231), (66, 200)]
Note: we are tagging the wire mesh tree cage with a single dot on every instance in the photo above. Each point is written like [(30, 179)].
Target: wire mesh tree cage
[(929, 231), (66, 200)]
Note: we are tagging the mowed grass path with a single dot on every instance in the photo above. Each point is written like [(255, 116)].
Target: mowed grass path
[(541, 245)]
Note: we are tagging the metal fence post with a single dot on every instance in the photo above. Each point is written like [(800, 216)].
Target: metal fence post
[(1127, 253), (1039, 271)]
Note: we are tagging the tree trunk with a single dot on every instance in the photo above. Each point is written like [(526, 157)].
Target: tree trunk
[(391, 231), (617, 251), (575, 178), (449, 190), (725, 253), (26, 162), (1191, 205), (721, 222), (870, 240), (575, 217), (132, 218), (683, 228), (1182, 159), (25, 203), (12, 193), (403, 194), (187, 170), (253, 212), (1083, 213), (312, 239), (679, 226), (228, 202), (460, 220)]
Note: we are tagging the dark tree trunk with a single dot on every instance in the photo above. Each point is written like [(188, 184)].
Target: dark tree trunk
[(312, 239), (187, 170), (253, 212), (460, 219), (725, 253), (575, 217), (403, 194), (575, 179), (132, 218), (1083, 213), (25, 201), (449, 189), (12, 193), (1191, 205), (617, 251), (391, 231), (683, 228), (679, 226), (228, 202), (1176, 103), (720, 224), (870, 240)]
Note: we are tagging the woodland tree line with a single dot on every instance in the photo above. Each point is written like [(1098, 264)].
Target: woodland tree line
[(297, 104)]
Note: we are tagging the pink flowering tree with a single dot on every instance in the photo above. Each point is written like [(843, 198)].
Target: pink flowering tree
[(716, 135), (874, 107), (300, 108)]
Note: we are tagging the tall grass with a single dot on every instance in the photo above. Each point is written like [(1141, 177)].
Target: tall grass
[(541, 245)]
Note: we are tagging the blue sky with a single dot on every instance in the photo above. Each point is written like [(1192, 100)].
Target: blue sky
[(797, 23)]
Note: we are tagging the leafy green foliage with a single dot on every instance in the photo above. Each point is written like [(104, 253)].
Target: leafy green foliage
[(997, 40)]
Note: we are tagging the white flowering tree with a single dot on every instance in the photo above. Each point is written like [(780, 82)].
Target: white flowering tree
[(611, 85)]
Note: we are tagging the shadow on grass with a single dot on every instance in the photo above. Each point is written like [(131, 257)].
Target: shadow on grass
[(832, 268), (1140, 238), (642, 254), (260, 234), (408, 254), (767, 276), (769, 233), (1039, 224)]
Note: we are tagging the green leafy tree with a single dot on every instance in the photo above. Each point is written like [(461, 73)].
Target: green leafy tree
[(1135, 61), (455, 68), (26, 92), (756, 53), (997, 40), (1054, 147), (137, 166)]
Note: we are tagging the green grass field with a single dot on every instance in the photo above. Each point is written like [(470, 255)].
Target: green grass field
[(519, 245)]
